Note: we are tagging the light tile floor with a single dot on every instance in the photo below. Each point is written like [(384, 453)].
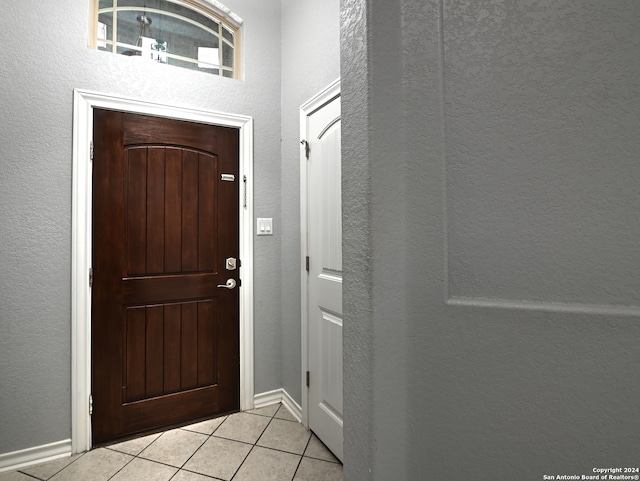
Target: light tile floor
[(265, 444)]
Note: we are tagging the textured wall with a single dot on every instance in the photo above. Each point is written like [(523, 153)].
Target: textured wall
[(537, 110), (45, 58), (515, 149), (310, 62), (358, 305)]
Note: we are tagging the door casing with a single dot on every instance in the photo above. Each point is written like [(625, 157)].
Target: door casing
[(84, 103), (317, 101)]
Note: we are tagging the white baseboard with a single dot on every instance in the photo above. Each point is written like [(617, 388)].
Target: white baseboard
[(278, 396), (36, 455)]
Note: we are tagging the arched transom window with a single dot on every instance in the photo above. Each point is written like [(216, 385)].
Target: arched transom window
[(195, 34)]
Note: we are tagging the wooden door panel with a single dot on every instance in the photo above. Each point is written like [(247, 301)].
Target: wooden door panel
[(155, 211), (173, 210), (169, 348), (145, 130), (171, 206), (189, 212), (172, 347), (193, 404), (206, 214), (165, 339), (135, 362), (153, 289), (136, 210), (189, 337), (206, 348)]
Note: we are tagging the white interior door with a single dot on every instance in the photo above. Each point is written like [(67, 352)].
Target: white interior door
[(324, 278)]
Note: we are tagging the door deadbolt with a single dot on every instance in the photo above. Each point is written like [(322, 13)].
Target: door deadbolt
[(231, 263)]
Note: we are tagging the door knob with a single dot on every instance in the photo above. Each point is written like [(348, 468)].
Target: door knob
[(230, 284)]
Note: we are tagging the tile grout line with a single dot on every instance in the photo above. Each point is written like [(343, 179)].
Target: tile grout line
[(198, 449), (157, 462), (125, 465), (208, 436), (243, 461), (133, 456), (324, 460), (137, 456), (33, 477), (193, 454), (54, 474), (197, 473), (252, 448), (302, 457), (337, 461)]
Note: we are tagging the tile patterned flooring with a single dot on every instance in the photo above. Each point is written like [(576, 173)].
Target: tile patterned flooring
[(266, 444)]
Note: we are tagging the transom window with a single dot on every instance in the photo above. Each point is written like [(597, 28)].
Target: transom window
[(193, 34)]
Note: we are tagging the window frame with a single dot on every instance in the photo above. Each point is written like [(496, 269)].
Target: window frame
[(211, 9)]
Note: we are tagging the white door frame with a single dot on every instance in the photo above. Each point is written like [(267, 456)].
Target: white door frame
[(84, 103), (306, 109)]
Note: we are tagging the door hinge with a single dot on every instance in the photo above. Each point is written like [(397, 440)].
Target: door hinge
[(307, 263), (90, 404), (307, 148), (90, 276), (308, 378), (91, 150)]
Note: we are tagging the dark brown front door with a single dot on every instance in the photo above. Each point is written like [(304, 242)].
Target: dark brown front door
[(165, 337)]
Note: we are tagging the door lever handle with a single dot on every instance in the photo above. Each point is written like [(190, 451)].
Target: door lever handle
[(230, 284)]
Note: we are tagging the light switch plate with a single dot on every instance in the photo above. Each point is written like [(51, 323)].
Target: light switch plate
[(265, 226)]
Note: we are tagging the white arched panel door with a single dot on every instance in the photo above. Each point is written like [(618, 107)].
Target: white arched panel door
[(324, 277)]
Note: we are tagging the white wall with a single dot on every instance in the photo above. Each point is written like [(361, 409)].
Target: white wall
[(491, 288), (45, 56)]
